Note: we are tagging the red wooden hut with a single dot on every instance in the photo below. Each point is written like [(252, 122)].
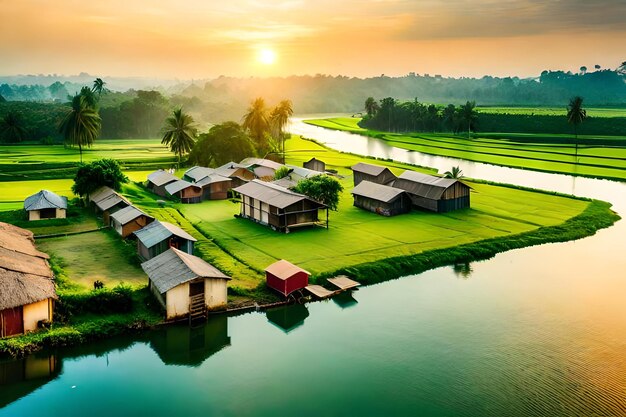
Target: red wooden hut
[(285, 277)]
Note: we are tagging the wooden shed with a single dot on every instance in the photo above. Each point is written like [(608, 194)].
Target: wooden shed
[(196, 173), (129, 220), (185, 284), (285, 277), (238, 174), (278, 207), (157, 237), (107, 201), (158, 180), (372, 173), (434, 193), (214, 187), (299, 173), (381, 199), (315, 165), (262, 168), (186, 191), (45, 205), (27, 290)]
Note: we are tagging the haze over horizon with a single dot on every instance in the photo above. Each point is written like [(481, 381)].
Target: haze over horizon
[(285, 37)]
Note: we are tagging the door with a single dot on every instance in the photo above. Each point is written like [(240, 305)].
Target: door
[(11, 322), (196, 288)]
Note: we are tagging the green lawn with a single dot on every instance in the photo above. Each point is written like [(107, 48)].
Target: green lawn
[(549, 153), (553, 111)]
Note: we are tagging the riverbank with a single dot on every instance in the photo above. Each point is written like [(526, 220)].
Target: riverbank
[(595, 157), (360, 244)]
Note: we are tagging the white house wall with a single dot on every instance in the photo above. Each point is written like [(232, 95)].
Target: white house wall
[(215, 292), (177, 301), (36, 311)]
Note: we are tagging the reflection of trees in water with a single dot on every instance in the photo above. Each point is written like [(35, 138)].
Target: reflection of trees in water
[(20, 377), (463, 270)]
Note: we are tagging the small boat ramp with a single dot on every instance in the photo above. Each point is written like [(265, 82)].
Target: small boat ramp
[(342, 283)]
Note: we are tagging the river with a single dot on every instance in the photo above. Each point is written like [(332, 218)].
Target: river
[(539, 331)]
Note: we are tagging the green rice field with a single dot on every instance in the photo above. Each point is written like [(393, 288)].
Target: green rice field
[(552, 111), (602, 157)]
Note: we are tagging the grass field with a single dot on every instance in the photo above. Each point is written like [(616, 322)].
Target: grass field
[(548, 153), (553, 111)]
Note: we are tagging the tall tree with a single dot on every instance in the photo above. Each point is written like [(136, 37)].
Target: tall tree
[(179, 133), (622, 69), (455, 173), (96, 174), (257, 122), (468, 115), (583, 70), (12, 128), (278, 119), (575, 116), (90, 97), (81, 125), (371, 106), (98, 86), (223, 143)]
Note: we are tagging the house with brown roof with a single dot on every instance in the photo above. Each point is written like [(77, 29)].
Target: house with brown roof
[(185, 285), (434, 193), (45, 205), (237, 173), (372, 173), (27, 290), (128, 220), (278, 207), (284, 277), (185, 191), (158, 180), (381, 199), (262, 168)]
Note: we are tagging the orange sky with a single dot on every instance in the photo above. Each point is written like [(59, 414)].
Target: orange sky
[(207, 38)]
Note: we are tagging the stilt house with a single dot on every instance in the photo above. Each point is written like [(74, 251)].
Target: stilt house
[(434, 193)]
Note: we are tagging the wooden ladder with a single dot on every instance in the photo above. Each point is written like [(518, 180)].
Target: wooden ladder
[(197, 308)]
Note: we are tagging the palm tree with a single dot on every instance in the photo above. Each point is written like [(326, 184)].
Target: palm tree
[(179, 133), (90, 97), (12, 128), (279, 118), (455, 173), (371, 106), (468, 115), (575, 115), (256, 121), (81, 125), (622, 68), (98, 86)]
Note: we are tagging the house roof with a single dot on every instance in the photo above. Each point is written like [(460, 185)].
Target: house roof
[(175, 187), (127, 215), (25, 276), (157, 231), (378, 192), (174, 267), (423, 185), (197, 173), (369, 169), (45, 199), (269, 193), (229, 170), (285, 182), (314, 159), (250, 162), (101, 193), (211, 179), (161, 177), (110, 201), (284, 269), (303, 172)]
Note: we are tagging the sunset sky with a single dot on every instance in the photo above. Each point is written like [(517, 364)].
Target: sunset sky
[(207, 38)]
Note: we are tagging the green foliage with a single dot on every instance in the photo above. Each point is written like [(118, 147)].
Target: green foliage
[(81, 125), (455, 173), (371, 106), (223, 143), (12, 128), (179, 133), (2, 99), (101, 301), (133, 115), (322, 188), (94, 175), (281, 172), (257, 123), (575, 112)]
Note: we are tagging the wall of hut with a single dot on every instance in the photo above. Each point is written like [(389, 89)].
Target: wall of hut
[(215, 293), (190, 195), (52, 213), (400, 205), (299, 213), (315, 165), (173, 241), (127, 229), (216, 190), (384, 177), (157, 189)]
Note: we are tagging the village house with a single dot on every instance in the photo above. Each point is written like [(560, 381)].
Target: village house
[(27, 290), (196, 173), (185, 285), (381, 199), (107, 201), (372, 173), (263, 168), (434, 193), (158, 180), (45, 205), (185, 191), (285, 277), (278, 207), (128, 220), (214, 187), (299, 173), (238, 174), (157, 237), (315, 165)]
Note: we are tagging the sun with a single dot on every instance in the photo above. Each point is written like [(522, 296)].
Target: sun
[(266, 56)]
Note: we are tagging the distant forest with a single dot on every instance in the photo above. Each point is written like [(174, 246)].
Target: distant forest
[(140, 113)]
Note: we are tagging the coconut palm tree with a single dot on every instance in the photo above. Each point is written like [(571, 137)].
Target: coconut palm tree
[(12, 127), (90, 97), (278, 119), (575, 115), (371, 106), (455, 173), (81, 125), (179, 133), (257, 122), (468, 115), (98, 86)]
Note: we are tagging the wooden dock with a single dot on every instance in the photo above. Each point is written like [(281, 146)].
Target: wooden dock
[(342, 282), (319, 291)]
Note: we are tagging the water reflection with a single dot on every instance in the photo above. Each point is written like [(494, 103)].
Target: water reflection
[(22, 376), (288, 318), (190, 346), (345, 300), (463, 269)]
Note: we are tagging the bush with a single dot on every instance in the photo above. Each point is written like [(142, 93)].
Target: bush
[(96, 174), (101, 301)]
